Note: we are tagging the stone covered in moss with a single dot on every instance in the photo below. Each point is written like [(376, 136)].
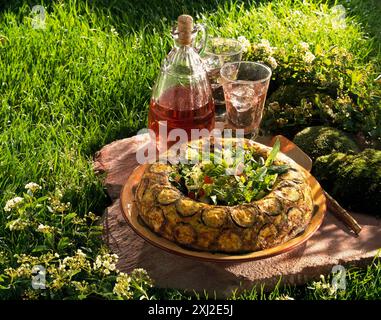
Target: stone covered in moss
[(353, 180), (318, 141)]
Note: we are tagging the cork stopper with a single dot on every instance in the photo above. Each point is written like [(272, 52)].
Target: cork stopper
[(184, 28)]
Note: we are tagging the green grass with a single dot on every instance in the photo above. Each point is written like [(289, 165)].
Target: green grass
[(85, 80), (360, 284)]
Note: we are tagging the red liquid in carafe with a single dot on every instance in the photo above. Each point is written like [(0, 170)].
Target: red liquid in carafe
[(180, 109)]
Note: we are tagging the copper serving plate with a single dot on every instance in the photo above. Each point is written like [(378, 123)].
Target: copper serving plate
[(130, 213)]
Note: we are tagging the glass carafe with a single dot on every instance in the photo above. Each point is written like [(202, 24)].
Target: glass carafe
[(182, 96)]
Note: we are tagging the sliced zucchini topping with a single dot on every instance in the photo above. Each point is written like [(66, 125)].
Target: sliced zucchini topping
[(295, 216), (184, 234), (291, 193), (266, 235), (270, 206), (229, 241), (171, 215), (292, 175), (167, 196), (187, 207), (243, 216), (214, 217)]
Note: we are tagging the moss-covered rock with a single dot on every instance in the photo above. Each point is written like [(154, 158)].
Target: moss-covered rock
[(353, 180), (319, 141)]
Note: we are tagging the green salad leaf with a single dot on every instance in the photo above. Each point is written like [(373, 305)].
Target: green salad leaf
[(273, 153), (229, 177)]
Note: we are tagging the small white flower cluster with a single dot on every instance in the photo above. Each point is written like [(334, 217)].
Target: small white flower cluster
[(245, 44), (122, 286), (61, 273), (92, 216), (142, 276), (43, 259), (324, 286), (309, 57), (265, 46), (266, 51), (114, 32), (24, 270), (45, 229), (13, 203), (106, 263), (272, 62), (77, 261), (57, 206), (303, 47), (17, 225), (32, 187)]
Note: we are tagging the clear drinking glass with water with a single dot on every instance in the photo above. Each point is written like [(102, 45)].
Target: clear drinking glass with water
[(245, 87), (219, 51)]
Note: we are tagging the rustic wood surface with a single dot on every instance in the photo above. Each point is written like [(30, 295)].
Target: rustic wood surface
[(331, 245)]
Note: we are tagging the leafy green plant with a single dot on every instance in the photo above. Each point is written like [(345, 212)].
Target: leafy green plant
[(43, 232)]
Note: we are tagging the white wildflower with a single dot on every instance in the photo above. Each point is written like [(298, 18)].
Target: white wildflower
[(265, 42), (24, 270), (142, 276), (13, 203), (44, 228), (80, 253), (304, 46), (122, 286), (32, 187), (105, 263), (76, 262), (324, 286), (17, 225), (114, 32), (265, 46), (245, 44), (309, 57), (272, 62)]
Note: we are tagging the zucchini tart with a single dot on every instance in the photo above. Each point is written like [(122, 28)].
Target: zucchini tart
[(239, 200)]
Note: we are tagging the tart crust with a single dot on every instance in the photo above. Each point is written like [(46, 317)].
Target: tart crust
[(276, 218)]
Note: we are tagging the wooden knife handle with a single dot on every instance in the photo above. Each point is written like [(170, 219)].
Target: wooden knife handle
[(342, 214)]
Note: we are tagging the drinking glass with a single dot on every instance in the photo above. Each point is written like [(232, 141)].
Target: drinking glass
[(219, 51), (245, 86)]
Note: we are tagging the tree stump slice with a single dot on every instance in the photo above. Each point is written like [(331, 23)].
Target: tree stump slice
[(333, 244)]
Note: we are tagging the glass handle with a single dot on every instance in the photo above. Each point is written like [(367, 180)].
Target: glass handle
[(200, 45)]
